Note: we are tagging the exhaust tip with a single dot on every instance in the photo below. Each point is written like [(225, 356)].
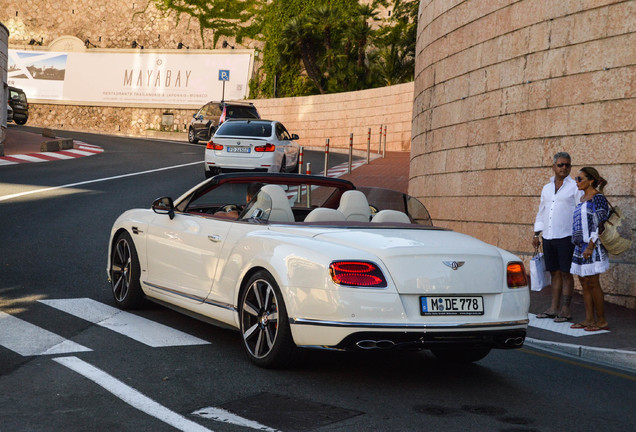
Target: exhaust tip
[(368, 344), (515, 341)]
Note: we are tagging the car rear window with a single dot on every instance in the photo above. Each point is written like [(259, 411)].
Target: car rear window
[(240, 112), (249, 129)]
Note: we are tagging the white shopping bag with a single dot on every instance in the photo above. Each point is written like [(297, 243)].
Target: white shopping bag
[(539, 276)]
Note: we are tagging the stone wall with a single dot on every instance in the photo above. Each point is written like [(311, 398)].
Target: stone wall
[(105, 23), (313, 118), (503, 85)]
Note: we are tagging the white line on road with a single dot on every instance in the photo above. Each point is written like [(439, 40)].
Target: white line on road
[(135, 327), (129, 395), (8, 197), (224, 416), (27, 339)]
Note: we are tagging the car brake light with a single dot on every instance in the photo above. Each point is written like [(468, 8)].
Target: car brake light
[(516, 275), (213, 146), (357, 273), (266, 148)]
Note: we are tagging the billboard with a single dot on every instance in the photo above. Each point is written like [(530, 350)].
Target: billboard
[(142, 77)]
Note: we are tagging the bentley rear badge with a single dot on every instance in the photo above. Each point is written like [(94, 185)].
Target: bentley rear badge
[(454, 264)]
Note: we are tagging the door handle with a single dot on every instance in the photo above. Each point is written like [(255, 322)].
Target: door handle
[(214, 238)]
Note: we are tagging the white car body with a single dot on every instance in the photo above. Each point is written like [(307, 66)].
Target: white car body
[(200, 264), (237, 145)]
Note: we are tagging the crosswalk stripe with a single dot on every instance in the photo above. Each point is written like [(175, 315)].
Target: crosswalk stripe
[(27, 339), (135, 327), (132, 397)]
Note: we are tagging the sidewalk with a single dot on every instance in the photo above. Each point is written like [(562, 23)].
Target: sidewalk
[(616, 348)]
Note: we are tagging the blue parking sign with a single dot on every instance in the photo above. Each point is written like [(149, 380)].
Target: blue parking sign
[(224, 75)]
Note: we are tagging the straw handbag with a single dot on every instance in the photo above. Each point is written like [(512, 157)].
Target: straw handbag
[(616, 236)]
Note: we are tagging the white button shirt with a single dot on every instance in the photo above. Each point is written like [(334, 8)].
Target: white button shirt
[(556, 209)]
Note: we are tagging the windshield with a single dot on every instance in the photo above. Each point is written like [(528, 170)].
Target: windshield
[(245, 129), (387, 199)]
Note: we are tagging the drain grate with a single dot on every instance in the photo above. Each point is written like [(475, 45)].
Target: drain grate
[(286, 413)]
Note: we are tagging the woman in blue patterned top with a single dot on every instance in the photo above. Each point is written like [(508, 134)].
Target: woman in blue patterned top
[(590, 258)]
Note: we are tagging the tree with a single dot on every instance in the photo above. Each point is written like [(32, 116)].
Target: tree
[(396, 44)]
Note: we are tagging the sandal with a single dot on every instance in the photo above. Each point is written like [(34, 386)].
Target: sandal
[(594, 328), (579, 326), (562, 319), (543, 315)]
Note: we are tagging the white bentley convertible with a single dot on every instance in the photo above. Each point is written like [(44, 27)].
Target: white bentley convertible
[(295, 261)]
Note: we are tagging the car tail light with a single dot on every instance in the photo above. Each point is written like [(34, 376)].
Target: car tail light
[(213, 146), (357, 273), (516, 275), (266, 148)]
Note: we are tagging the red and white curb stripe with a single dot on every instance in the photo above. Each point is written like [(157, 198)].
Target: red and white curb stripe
[(80, 149)]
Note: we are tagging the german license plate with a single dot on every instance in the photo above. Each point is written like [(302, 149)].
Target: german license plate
[(452, 305), (238, 149)]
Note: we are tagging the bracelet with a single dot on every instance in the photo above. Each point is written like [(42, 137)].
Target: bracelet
[(535, 236)]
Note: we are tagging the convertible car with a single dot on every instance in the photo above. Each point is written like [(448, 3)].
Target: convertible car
[(295, 261)]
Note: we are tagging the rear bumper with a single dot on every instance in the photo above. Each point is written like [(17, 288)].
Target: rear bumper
[(349, 336), (503, 339)]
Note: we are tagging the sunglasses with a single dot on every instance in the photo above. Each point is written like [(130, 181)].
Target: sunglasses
[(561, 165), (579, 179)]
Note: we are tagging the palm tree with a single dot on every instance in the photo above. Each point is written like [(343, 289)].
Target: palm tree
[(298, 40)]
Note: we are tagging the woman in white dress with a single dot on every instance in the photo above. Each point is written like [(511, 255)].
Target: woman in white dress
[(590, 257)]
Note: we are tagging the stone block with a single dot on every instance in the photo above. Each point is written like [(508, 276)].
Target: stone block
[(48, 133)]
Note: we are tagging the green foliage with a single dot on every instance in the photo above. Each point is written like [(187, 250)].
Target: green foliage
[(224, 17), (314, 46)]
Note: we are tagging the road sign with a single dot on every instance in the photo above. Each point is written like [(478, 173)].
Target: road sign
[(224, 75)]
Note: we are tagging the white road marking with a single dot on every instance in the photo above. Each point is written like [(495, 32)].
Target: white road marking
[(135, 327), (70, 185), (129, 395), (224, 416), (563, 328), (27, 339)]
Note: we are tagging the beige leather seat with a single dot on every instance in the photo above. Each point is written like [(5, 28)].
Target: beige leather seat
[(391, 216), (274, 199), (323, 214), (355, 207)]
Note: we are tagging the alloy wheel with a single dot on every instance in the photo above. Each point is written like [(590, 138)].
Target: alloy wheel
[(259, 318), (120, 269)]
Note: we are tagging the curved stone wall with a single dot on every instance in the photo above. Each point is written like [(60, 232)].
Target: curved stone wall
[(503, 85)]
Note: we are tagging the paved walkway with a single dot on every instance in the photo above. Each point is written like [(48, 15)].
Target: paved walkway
[(616, 347)]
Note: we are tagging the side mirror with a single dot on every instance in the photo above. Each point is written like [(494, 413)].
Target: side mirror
[(295, 137), (164, 205)]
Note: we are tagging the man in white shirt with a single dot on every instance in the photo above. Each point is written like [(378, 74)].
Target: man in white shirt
[(558, 200)]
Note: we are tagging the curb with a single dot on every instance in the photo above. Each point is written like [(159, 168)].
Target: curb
[(622, 359), (77, 150)]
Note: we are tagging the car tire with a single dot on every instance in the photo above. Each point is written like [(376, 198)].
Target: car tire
[(208, 173), (461, 355), (192, 137), (264, 323), (125, 272), (20, 121)]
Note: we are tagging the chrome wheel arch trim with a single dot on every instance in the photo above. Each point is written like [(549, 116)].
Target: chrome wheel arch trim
[(192, 297)]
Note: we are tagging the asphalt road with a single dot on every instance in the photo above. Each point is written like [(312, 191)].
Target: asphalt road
[(53, 254)]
